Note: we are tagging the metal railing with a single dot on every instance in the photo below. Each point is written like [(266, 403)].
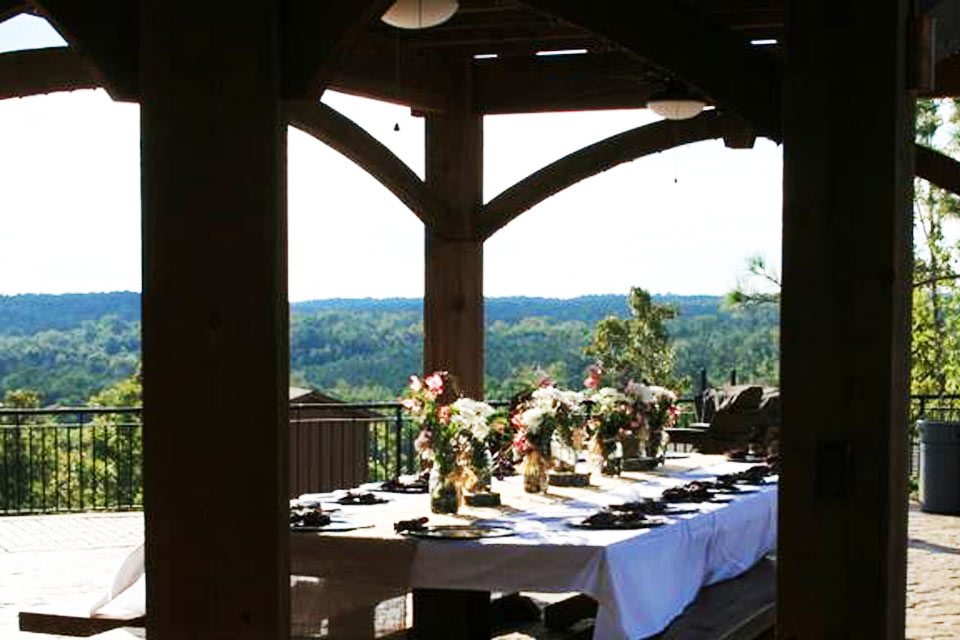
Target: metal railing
[(78, 459), (89, 458)]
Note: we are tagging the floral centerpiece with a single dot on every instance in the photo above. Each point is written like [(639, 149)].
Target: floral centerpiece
[(611, 414), (660, 411), (471, 419), (452, 438), (543, 417)]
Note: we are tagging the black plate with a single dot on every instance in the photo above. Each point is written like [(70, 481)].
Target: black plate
[(333, 527), (459, 532), (647, 523), (405, 488)]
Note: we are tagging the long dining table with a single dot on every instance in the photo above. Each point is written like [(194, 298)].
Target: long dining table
[(641, 579)]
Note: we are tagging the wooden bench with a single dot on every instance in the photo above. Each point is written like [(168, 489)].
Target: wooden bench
[(74, 624), (743, 608)]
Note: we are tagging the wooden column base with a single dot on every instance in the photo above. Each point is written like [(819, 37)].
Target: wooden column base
[(441, 614)]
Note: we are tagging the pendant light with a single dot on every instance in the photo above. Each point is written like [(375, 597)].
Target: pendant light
[(419, 14), (675, 103)]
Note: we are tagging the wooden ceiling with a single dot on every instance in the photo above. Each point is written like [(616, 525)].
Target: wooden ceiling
[(726, 51), (498, 42)]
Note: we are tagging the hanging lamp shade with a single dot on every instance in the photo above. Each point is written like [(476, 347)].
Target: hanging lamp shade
[(676, 102), (676, 108), (419, 14)]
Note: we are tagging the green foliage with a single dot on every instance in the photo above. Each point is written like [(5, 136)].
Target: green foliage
[(935, 367), (67, 366), (365, 350), (638, 347)]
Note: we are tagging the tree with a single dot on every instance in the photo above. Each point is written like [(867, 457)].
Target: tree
[(935, 347), (637, 347), (936, 317)]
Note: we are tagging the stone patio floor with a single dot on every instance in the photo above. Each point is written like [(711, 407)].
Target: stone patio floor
[(53, 561)]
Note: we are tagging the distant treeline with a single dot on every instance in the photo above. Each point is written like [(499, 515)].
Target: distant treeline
[(70, 347)]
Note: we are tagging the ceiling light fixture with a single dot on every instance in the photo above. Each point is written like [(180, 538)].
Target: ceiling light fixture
[(675, 103), (419, 14)]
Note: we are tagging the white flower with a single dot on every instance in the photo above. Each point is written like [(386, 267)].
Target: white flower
[(608, 400), (640, 391), (531, 419), (473, 416), (572, 399), (659, 392)]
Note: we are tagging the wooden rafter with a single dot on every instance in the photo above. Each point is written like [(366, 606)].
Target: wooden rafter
[(39, 71), (341, 133), (106, 33), (378, 68), (673, 36), (562, 83), (315, 35), (597, 158), (938, 169), (10, 8)]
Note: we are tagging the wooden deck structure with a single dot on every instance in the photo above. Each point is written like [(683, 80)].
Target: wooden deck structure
[(217, 87)]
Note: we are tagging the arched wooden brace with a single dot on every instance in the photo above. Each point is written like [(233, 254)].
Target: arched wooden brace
[(339, 132), (40, 71), (597, 158)]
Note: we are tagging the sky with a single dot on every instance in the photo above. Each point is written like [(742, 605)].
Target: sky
[(683, 221)]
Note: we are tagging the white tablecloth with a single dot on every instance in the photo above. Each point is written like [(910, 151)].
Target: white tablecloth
[(642, 580)]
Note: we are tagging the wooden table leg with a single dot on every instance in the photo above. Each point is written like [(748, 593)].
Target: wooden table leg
[(442, 614), (354, 625)]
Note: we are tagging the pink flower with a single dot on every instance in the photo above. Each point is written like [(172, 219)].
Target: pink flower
[(443, 414), (434, 383), (415, 384), (424, 441), (592, 380), (410, 405), (545, 381)]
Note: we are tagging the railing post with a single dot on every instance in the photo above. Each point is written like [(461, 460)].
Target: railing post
[(80, 457), (733, 377), (398, 418), (19, 460)]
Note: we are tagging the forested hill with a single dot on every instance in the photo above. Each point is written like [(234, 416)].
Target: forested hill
[(30, 313), (69, 347)]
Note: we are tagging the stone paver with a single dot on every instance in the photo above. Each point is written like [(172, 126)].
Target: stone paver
[(933, 576), (62, 560), (49, 561)]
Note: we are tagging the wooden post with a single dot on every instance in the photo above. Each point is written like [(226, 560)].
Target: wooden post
[(215, 346), (453, 288), (845, 321)]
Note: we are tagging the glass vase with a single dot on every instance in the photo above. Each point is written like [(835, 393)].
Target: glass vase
[(654, 444), (535, 469), (444, 492), (611, 456)]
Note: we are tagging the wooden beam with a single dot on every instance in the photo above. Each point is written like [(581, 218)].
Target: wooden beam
[(946, 28), (379, 69), (316, 35), (938, 169), (342, 134), (39, 71), (597, 158), (215, 321), (845, 316), (562, 83), (106, 33), (453, 282), (672, 35), (11, 8)]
